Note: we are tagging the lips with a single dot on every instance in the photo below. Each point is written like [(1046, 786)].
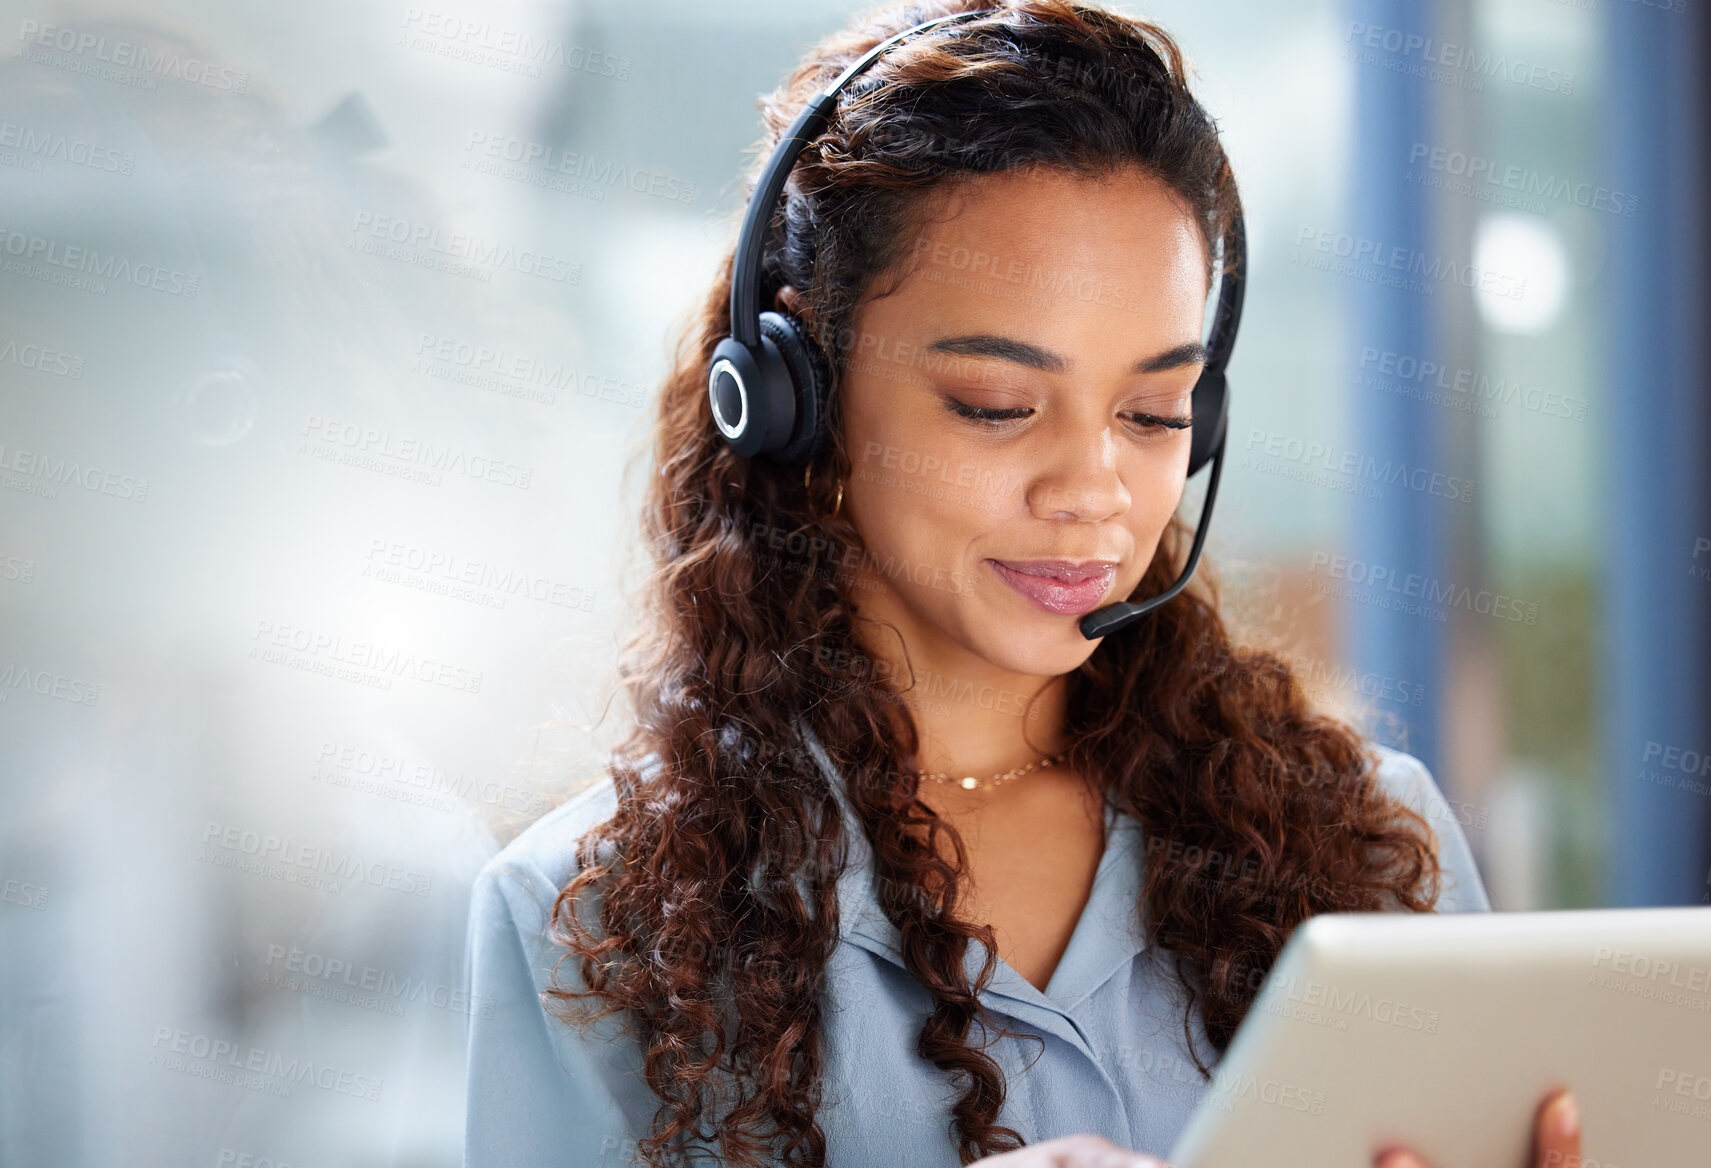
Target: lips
[(1066, 587)]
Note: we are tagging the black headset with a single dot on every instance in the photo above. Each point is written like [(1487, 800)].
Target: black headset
[(767, 382)]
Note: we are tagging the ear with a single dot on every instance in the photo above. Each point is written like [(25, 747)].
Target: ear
[(787, 300)]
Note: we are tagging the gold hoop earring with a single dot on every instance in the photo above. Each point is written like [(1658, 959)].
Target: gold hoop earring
[(837, 504)]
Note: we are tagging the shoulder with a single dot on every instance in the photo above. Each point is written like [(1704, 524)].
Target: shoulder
[(1407, 779), (524, 878), (538, 1089), (548, 845)]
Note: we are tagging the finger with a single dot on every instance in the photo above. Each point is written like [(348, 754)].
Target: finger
[(1090, 1151), (1122, 1158), (1556, 1134), (1098, 1152), (1399, 1158)]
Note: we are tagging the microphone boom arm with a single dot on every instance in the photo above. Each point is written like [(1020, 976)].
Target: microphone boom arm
[(1102, 622)]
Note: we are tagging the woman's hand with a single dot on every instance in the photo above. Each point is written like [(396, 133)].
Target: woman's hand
[(1556, 1138), (1556, 1144), (1084, 1151)]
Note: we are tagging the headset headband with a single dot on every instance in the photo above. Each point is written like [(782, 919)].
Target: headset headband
[(745, 267), (745, 270)]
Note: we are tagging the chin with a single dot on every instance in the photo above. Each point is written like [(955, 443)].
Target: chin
[(1045, 646)]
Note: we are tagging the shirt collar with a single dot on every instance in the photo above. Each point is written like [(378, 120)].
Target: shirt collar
[(1107, 936)]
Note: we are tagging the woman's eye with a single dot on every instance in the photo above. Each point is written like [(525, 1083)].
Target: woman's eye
[(978, 414), (1162, 421), (994, 417)]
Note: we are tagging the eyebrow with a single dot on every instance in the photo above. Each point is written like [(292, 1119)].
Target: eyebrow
[(1035, 357)]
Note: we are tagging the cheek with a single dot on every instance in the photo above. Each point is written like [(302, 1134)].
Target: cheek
[(865, 418), (1156, 486), (914, 477), (908, 503), (922, 502), (1160, 482)]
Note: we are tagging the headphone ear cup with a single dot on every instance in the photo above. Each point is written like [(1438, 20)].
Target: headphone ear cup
[(1211, 397), (810, 374)]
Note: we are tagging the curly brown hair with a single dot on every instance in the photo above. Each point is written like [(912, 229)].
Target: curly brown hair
[(706, 941)]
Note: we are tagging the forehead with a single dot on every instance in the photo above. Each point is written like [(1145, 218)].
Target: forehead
[(1033, 242)]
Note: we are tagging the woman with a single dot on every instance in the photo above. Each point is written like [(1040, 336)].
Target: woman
[(770, 934)]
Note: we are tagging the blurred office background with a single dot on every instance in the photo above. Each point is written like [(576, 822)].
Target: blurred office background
[(318, 384)]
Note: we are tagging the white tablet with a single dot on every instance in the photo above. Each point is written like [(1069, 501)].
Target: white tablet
[(1444, 1032)]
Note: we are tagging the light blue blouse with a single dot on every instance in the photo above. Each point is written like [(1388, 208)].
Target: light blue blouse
[(1114, 1062)]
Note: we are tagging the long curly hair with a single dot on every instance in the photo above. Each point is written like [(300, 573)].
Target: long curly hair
[(1259, 811)]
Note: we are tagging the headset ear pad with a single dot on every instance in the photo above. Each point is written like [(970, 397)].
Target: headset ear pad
[(1211, 393), (811, 376)]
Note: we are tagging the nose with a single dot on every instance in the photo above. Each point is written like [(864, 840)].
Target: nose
[(1078, 480)]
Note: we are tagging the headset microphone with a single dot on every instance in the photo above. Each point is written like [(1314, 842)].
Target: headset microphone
[(1211, 405), (767, 383)]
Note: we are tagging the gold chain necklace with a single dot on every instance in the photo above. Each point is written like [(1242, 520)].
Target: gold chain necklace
[(970, 783)]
